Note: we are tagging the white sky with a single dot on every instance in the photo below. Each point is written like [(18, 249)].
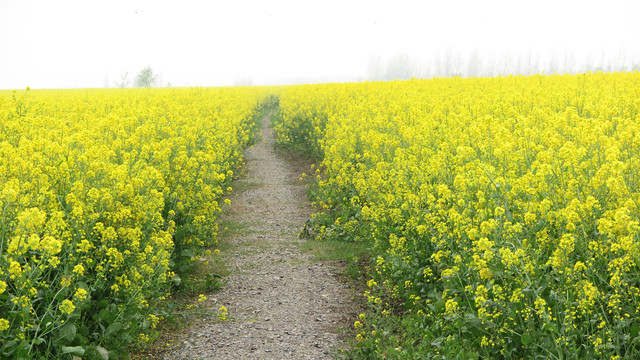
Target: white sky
[(61, 44)]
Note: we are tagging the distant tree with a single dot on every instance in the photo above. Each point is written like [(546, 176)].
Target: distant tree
[(447, 63), (124, 80), (437, 67), (474, 66), (374, 69), (399, 67), (146, 77), (534, 66), (243, 81), (552, 67), (569, 63)]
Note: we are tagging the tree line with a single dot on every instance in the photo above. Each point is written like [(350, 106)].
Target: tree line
[(145, 78), (401, 66)]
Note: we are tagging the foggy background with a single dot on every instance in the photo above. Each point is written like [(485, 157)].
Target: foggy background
[(80, 44)]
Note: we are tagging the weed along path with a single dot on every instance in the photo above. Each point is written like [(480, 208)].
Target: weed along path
[(281, 303)]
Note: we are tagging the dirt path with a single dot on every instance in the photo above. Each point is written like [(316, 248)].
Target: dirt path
[(282, 304)]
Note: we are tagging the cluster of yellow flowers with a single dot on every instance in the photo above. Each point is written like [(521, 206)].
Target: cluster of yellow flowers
[(104, 194), (223, 313), (504, 209)]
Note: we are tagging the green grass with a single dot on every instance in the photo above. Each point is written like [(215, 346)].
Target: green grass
[(245, 185), (354, 255), (332, 250)]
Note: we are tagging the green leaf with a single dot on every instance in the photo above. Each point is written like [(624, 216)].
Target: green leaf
[(181, 233), (115, 327), (176, 280), (116, 355), (474, 324), (525, 339), (75, 350), (63, 294), (188, 253), (635, 329), (67, 332), (9, 347), (102, 352), (473, 356), (83, 330), (107, 315), (102, 304)]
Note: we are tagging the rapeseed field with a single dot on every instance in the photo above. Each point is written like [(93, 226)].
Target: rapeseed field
[(503, 213), (106, 196)]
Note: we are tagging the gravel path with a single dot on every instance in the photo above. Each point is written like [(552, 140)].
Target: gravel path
[(282, 304)]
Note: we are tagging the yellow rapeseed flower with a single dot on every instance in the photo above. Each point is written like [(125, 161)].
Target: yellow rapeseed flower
[(67, 307)]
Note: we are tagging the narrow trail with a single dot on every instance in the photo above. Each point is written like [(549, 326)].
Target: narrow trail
[(282, 304)]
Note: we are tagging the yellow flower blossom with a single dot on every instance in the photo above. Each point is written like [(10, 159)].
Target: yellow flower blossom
[(67, 307), (78, 269), (4, 324), (222, 313), (80, 295)]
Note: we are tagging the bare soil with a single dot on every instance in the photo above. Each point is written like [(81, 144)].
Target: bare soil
[(282, 304)]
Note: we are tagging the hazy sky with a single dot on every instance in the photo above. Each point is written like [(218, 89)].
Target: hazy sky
[(61, 44)]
